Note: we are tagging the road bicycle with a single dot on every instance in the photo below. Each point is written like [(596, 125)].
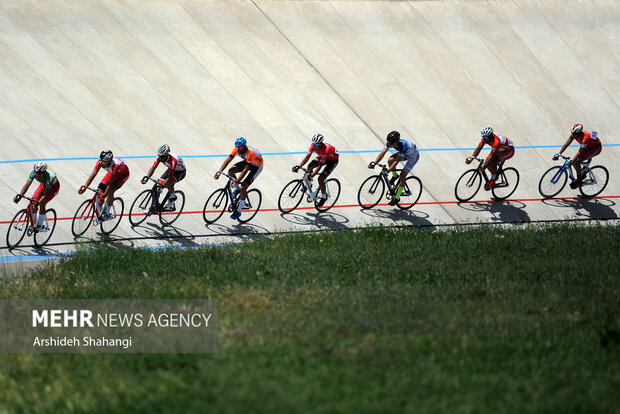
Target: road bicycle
[(23, 224), (89, 212), (506, 182), (594, 179), (374, 187), (293, 193), (217, 202), (147, 203)]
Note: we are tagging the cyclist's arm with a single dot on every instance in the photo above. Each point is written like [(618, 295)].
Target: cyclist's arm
[(566, 144), (25, 187), (151, 170), (225, 163), (381, 154), (91, 177), (243, 173), (304, 161)]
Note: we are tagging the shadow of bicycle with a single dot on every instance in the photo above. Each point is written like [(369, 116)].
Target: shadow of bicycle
[(595, 208), (329, 219), (415, 218), (502, 211)]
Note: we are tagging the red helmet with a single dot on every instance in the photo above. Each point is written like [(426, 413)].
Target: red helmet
[(576, 129)]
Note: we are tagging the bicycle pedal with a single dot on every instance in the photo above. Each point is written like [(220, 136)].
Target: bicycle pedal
[(247, 206)]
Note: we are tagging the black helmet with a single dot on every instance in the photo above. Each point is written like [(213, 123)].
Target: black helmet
[(393, 137), (106, 156)]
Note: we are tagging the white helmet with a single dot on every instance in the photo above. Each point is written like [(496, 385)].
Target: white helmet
[(487, 131), (317, 139), (40, 166), (106, 156), (163, 150)]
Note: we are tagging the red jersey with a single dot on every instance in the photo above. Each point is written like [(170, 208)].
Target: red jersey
[(325, 152), (499, 143), (113, 168), (589, 139), (174, 163)]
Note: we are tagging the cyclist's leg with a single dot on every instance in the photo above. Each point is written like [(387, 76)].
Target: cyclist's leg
[(48, 195), (116, 181), (330, 165)]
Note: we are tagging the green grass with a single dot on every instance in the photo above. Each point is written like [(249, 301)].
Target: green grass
[(379, 320)]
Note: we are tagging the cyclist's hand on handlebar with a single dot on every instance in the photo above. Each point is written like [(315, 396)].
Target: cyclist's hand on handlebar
[(17, 198), (372, 165), (144, 179), (468, 160), (82, 189), (217, 175), (296, 168), (556, 156)]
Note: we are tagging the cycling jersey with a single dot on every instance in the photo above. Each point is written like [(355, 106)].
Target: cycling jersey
[(48, 179), (251, 156), (589, 139), (404, 148), (115, 166), (499, 143), (174, 162), (325, 152)]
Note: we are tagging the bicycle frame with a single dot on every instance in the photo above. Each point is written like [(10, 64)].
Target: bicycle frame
[(566, 166)]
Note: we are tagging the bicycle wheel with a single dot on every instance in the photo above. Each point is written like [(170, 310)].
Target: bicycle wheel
[(332, 186), (17, 229), (595, 181), (215, 206), (166, 218), (468, 185), (552, 182), (251, 206), (506, 183), (141, 208), (291, 196), (49, 225), (83, 218), (116, 212), (371, 191), (411, 194)]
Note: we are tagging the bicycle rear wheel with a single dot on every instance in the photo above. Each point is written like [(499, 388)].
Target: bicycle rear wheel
[(17, 229), (552, 182), (468, 185), (411, 194), (371, 191), (166, 218), (594, 181), (506, 183), (332, 187), (141, 208), (251, 206), (291, 196), (215, 206), (83, 218), (49, 225), (116, 212)]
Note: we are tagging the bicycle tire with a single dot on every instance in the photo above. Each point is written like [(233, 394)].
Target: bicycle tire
[(166, 218), (511, 175), (371, 192), (215, 206), (547, 187), (82, 218), (42, 237), (333, 188), (140, 208), (411, 194), (470, 179), (594, 182), (255, 199), (291, 196), (108, 226), (17, 229)]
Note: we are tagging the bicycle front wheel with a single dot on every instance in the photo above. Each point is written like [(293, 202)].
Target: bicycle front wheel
[(552, 182), (371, 191), (49, 225), (291, 196), (253, 200), (332, 188), (506, 184), (411, 194), (17, 229), (468, 185), (594, 181), (166, 218), (116, 214), (215, 206), (141, 208), (83, 218)]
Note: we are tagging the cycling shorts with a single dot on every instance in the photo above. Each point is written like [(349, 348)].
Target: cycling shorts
[(53, 190), (177, 176), (330, 165), (121, 176), (254, 172)]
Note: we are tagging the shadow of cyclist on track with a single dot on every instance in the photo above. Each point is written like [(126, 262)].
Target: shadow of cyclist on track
[(596, 208), (502, 211)]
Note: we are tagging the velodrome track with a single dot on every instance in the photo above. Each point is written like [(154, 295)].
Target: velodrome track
[(77, 77)]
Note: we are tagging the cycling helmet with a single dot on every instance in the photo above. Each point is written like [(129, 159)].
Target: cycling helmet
[(106, 156), (317, 139), (576, 129), (163, 150), (40, 166), (486, 132), (393, 137), (240, 142)]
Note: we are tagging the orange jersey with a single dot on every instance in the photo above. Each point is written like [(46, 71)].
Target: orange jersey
[(252, 156)]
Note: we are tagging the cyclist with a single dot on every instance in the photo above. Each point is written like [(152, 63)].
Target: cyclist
[(502, 149), (405, 151), (250, 167), (47, 190), (590, 147), (175, 173), (327, 156), (117, 174)]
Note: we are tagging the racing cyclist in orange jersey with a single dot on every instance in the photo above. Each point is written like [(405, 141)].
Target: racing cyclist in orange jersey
[(327, 156), (45, 192), (502, 149), (590, 147), (174, 173), (250, 167), (117, 174)]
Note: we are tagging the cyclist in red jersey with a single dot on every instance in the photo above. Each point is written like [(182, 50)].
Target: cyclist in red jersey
[(175, 172), (590, 147), (47, 190), (327, 156), (250, 167), (117, 174), (502, 149)]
